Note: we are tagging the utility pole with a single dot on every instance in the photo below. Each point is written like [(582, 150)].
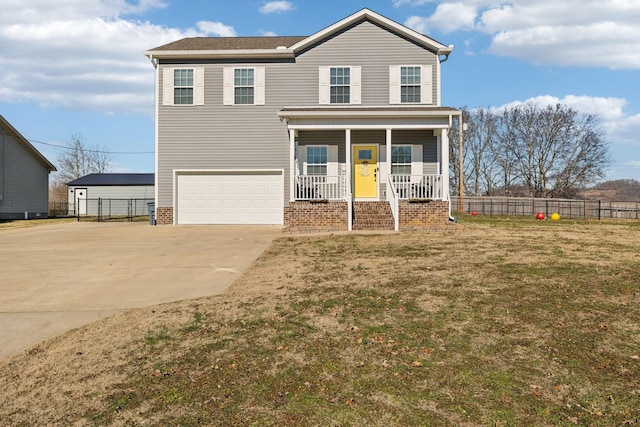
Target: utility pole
[(461, 166)]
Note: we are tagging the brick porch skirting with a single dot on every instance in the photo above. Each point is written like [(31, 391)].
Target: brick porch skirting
[(164, 216), (423, 214), (307, 216)]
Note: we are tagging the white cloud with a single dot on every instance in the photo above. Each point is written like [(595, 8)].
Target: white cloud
[(588, 33), (276, 7), (265, 33), (608, 109), (83, 55), (30, 11), (398, 3), (216, 29), (447, 17)]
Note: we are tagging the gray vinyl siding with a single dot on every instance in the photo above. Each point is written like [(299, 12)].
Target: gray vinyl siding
[(374, 49), (24, 181), (214, 136), (117, 192)]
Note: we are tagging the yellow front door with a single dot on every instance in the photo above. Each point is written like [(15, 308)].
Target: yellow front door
[(365, 171)]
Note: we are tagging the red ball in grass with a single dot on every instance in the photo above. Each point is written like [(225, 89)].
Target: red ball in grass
[(474, 213), (540, 216)]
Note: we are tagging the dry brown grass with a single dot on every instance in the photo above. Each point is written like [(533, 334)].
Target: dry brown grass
[(505, 323)]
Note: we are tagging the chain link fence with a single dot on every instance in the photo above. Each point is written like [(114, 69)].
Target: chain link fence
[(567, 208)]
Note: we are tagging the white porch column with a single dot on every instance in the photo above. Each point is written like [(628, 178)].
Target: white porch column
[(292, 164), (444, 166), (388, 165), (347, 143)]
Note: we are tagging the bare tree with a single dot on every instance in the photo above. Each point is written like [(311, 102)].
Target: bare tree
[(78, 160), (549, 151), (557, 150)]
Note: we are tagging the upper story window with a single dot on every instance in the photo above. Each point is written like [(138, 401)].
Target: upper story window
[(410, 84), (183, 86), (339, 85), (316, 160), (401, 159), (243, 86)]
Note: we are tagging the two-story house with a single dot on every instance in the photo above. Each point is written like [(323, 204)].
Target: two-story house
[(339, 130)]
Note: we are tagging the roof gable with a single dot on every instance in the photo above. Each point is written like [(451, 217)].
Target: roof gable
[(287, 47), (110, 179), (10, 130), (366, 14)]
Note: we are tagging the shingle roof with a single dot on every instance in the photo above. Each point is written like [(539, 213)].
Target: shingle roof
[(107, 179), (229, 43), (267, 47)]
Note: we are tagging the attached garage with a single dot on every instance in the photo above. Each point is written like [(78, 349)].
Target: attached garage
[(230, 197)]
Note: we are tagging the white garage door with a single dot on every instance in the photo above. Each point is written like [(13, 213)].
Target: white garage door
[(230, 198)]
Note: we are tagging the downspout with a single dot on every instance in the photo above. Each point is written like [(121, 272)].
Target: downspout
[(154, 61), (4, 168)]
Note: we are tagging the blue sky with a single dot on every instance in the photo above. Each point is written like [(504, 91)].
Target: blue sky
[(72, 67)]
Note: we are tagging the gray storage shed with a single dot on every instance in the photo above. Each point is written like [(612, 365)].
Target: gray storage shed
[(119, 191)]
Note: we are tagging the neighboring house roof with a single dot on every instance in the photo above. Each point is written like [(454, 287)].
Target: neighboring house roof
[(273, 47), (107, 179), (10, 130)]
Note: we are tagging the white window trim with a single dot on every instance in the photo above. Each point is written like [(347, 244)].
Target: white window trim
[(426, 87), (417, 162), (228, 85), (355, 85), (168, 87), (396, 163), (332, 158)]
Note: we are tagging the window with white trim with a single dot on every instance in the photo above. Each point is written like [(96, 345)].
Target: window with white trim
[(411, 84), (243, 85), (316, 160), (183, 86), (401, 159), (340, 84)]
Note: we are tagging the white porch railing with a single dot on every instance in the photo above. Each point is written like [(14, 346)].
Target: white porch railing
[(320, 187), (417, 186)]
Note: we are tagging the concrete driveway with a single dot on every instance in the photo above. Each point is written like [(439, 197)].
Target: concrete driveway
[(58, 277)]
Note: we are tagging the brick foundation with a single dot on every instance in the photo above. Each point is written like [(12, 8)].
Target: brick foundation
[(164, 216), (305, 216), (423, 215)]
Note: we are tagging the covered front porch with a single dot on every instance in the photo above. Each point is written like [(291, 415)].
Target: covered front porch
[(352, 167)]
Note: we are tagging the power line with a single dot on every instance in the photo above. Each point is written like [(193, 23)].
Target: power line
[(62, 147)]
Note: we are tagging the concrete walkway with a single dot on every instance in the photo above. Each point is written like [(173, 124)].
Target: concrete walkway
[(58, 277)]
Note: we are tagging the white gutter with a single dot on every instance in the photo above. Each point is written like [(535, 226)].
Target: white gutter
[(226, 54)]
